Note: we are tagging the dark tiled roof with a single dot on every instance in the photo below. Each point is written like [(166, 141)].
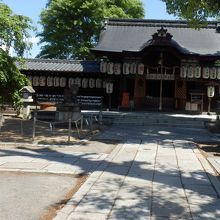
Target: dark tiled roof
[(57, 65), (132, 34)]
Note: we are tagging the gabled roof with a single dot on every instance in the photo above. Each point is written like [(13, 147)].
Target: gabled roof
[(28, 88), (58, 65), (132, 35)]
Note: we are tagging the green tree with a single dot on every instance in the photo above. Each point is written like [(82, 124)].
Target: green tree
[(72, 27), (13, 35), (196, 11)]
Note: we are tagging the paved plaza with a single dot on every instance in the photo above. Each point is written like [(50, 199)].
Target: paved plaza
[(153, 173), (150, 175)]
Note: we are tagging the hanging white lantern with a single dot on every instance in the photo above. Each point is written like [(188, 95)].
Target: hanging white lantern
[(71, 82), (42, 80), (56, 81), (110, 68), (126, 68), (49, 81), (140, 68), (218, 72), (197, 71), (62, 82), (117, 68), (205, 74), (212, 73), (77, 81), (210, 91), (36, 81), (183, 71), (98, 83), (103, 66), (84, 83), (91, 83), (190, 72), (133, 68)]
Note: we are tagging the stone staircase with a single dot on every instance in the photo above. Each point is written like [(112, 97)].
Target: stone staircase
[(157, 119)]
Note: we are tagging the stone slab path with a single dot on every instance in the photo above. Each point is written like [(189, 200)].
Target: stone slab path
[(49, 160), (148, 177), (155, 173)]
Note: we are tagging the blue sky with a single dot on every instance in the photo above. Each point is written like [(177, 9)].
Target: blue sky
[(154, 9)]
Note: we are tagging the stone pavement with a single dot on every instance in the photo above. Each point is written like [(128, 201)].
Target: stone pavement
[(153, 174), (60, 160), (215, 162)]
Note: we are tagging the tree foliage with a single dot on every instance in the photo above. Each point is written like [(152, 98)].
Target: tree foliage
[(72, 27), (13, 35), (196, 11)]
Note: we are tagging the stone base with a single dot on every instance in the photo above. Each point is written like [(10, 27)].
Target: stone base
[(65, 116), (66, 111)]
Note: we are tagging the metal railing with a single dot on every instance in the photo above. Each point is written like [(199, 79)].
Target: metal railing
[(14, 129), (1, 120)]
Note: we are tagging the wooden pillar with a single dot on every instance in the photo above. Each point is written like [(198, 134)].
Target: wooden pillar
[(139, 91)]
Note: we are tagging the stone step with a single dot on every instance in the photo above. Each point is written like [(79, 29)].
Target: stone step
[(162, 120), (183, 120), (163, 124)]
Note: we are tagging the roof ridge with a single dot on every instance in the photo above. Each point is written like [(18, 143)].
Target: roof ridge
[(154, 22), (58, 60)]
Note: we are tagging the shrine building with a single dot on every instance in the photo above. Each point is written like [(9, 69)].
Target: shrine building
[(150, 64)]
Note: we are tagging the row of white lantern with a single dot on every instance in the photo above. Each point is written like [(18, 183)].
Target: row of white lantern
[(48, 81), (62, 82), (127, 68), (198, 72)]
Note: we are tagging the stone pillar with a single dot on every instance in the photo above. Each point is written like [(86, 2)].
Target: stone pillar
[(139, 91)]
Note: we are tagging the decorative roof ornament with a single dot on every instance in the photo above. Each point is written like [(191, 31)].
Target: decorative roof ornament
[(162, 33)]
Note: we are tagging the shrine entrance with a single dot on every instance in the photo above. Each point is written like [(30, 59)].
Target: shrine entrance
[(153, 92), (162, 70)]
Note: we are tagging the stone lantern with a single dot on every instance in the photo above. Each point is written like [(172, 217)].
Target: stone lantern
[(27, 98)]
